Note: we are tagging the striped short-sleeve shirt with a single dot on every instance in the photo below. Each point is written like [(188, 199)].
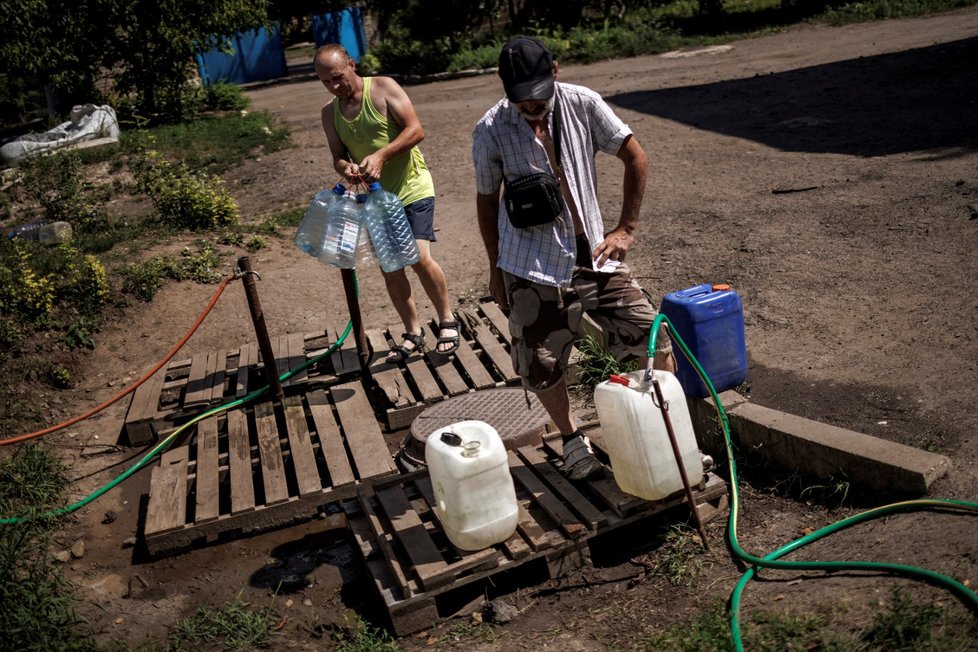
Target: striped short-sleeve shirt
[(504, 146)]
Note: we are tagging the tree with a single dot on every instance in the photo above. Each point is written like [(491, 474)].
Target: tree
[(143, 49)]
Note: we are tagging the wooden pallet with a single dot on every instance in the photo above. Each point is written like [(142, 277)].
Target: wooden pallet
[(187, 387), (417, 572), (263, 466)]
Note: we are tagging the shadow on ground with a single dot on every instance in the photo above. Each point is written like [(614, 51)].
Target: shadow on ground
[(920, 99)]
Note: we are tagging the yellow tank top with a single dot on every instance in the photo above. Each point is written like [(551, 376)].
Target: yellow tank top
[(405, 175)]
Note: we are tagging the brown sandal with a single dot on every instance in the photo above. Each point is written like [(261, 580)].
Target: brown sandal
[(400, 353)]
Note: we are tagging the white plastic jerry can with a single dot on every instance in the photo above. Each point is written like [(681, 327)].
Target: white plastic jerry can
[(635, 435), (475, 499)]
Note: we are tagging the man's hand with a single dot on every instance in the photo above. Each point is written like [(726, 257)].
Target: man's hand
[(371, 167), (614, 246), (351, 172), (497, 288)]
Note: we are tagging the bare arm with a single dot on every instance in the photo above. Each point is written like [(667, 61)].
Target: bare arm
[(345, 167), (390, 99), (615, 246), (487, 210)]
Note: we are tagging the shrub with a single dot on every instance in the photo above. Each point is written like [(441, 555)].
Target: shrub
[(184, 199), (222, 96), (54, 180)]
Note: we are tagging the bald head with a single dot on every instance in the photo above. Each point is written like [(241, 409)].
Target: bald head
[(336, 70)]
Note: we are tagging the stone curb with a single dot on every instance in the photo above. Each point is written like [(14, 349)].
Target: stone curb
[(816, 449)]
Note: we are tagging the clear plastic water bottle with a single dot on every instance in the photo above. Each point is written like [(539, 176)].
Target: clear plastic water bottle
[(342, 234), (29, 231), (365, 251), (390, 230), (309, 235)]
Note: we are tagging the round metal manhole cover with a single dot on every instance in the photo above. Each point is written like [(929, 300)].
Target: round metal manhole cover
[(518, 422)]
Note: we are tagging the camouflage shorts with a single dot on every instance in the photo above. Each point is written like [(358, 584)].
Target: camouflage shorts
[(544, 321)]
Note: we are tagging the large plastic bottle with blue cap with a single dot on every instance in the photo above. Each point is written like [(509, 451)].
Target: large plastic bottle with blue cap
[(312, 229), (343, 224), (390, 232)]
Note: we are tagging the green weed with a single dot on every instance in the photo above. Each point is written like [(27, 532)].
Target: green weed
[(596, 362), (680, 560), (38, 612), (236, 626), (357, 635)]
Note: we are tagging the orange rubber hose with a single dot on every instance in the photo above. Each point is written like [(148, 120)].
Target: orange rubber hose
[(131, 388)]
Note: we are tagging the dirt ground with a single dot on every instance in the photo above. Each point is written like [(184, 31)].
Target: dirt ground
[(828, 174)]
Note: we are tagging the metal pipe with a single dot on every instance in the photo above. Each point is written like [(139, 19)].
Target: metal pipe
[(353, 305), (664, 407), (261, 333)]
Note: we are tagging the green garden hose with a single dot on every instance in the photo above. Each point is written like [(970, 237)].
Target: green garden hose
[(771, 560)]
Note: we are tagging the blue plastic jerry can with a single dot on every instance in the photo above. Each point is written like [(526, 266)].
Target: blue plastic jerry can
[(710, 320)]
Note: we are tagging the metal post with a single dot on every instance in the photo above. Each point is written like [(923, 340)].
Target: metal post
[(664, 407), (350, 287), (261, 333)]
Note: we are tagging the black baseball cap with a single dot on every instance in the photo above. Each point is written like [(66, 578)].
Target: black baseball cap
[(527, 70)]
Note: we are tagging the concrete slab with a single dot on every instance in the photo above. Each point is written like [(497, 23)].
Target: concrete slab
[(817, 449)]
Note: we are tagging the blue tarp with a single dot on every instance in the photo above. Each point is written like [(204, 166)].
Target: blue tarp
[(258, 55), (343, 27)]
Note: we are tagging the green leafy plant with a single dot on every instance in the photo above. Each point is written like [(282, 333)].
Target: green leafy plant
[(55, 181), (595, 362)]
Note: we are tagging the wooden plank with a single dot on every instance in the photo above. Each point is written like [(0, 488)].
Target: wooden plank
[(473, 367), (584, 508), (207, 479), (330, 440), (387, 376), (363, 435), (270, 454), (167, 509), (562, 516), (528, 526), (427, 560), (496, 352), (497, 319), (300, 447), (345, 358), (384, 543), (280, 349), (145, 399), (194, 392), (417, 369), (247, 357), (217, 380), (297, 357), (239, 463)]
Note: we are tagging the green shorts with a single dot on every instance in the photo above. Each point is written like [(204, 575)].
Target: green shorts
[(544, 321)]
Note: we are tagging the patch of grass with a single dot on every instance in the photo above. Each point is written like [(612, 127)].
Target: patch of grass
[(681, 558), (472, 632), (38, 602), (213, 145), (235, 626), (596, 362), (903, 625), (355, 634)]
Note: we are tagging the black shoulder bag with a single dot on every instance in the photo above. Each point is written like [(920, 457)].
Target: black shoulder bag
[(535, 199)]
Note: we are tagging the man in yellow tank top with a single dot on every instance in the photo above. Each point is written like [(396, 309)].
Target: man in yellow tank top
[(373, 132)]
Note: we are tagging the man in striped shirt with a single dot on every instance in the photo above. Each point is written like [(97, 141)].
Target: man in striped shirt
[(548, 276)]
